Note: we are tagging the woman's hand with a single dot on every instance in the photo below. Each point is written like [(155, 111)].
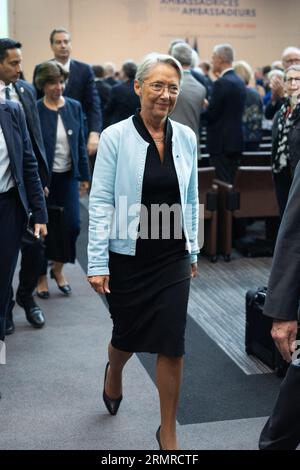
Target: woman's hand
[(84, 186), (100, 284), (92, 145), (194, 270)]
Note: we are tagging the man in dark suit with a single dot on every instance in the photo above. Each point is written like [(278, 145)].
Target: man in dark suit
[(20, 191), (104, 91), (110, 74), (282, 431), (80, 85), (23, 93), (123, 99), (224, 115)]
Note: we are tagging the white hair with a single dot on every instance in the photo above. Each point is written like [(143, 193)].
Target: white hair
[(290, 50), (153, 59)]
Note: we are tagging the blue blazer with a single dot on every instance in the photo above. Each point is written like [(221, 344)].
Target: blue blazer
[(27, 97), (72, 119), (224, 115), (23, 163), (81, 87)]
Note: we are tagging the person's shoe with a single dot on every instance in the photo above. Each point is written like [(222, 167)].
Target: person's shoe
[(34, 314), (111, 405), (44, 294), (158, 438), (66, 289), (9, 326)]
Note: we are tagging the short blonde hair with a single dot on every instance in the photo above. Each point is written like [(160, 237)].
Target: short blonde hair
[(243, 70)]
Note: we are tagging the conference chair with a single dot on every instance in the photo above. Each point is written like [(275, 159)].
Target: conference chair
[(251, 196)]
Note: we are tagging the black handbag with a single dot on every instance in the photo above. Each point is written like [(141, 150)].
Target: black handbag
[(28, 237), (57, 240)]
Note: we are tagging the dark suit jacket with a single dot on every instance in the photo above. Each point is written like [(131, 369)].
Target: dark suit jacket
[(104, 92), (81, 87), (200, 78), (224, 115), (283, 293), (123, 102), (23, 163), (272, 108), (72, 118), (111, 81), (27, 97)]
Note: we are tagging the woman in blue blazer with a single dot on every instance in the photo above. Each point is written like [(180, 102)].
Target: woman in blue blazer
[(63, 133)]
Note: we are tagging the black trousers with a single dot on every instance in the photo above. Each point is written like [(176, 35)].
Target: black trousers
[(225, 165), (12, 220), (282, 184), (282, 430), (31, 260)]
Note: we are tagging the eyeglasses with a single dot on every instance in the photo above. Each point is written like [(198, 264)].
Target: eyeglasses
[(158, 87), (294, 61), (291, 79)]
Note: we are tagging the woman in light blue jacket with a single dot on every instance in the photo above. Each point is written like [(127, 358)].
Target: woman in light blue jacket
[(143, 236)]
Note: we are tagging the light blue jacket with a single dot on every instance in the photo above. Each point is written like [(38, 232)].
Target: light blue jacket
[(116, 193)]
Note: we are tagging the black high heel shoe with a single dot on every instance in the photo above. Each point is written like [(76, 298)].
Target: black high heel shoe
[(66, 289), (158, 438), (43, 294), (112, 405)]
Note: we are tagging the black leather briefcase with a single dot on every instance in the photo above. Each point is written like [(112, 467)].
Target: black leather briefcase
[(258, 339)]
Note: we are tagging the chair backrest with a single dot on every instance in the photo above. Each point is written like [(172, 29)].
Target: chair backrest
[(257, 158), (257, 195), (207, 191), (206, 176)]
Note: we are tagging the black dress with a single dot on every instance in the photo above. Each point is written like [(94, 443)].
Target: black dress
[(149, 291)]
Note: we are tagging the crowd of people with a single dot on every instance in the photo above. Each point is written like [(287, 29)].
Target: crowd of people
[(150, 117)]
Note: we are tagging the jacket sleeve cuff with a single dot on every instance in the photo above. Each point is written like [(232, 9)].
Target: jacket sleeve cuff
[(194, 259), (98, 271)]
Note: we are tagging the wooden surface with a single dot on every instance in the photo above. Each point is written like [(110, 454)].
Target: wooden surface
[(217, 304)]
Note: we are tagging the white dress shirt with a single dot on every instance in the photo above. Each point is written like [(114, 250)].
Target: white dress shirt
[(6, 178), (12, 92), (62, 157), (225, 71)]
